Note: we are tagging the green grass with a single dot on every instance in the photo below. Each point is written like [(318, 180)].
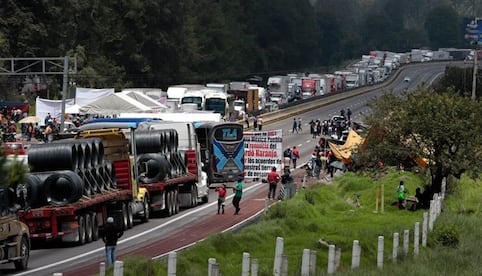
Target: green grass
[(328, 213)]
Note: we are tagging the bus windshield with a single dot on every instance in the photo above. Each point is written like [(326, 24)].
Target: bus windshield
[(217, 105)]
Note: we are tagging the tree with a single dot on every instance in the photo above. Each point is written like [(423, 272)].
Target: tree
[(443, 27), (441, 128), (459, 80)]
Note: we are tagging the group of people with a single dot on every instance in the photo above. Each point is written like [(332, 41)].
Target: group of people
[(296, 126), (291, 156), (419, 201), (222, 193), (257, 122)]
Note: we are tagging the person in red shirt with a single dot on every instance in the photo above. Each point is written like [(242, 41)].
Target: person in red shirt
[(295, 155), (273, 179), (221, 197)]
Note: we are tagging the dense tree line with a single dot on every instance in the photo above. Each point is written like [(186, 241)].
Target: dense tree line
[(154, 43)]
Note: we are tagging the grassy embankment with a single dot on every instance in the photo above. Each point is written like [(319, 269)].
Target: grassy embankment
[(328, 213)]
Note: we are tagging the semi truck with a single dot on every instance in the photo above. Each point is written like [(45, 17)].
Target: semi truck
[(125, 168), (278, 89)]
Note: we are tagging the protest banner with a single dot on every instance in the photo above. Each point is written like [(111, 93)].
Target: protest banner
[(262, 151)]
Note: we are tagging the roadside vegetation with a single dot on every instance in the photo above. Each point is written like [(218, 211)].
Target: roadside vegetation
[(329, 213)]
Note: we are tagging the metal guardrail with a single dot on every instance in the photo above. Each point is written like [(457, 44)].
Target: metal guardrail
[(299, 107)]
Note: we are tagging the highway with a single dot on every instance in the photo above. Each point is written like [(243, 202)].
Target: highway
[(184, 225)]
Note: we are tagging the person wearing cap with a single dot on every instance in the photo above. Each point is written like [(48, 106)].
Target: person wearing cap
[(238, 193), (221, 190), (110, 234)]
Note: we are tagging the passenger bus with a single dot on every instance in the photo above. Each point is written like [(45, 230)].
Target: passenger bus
[(222, 150), (217, 102)]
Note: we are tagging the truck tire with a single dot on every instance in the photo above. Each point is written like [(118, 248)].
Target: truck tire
[(130, 216), (88, 228), (193, 195), (81, 230), (176, 201), (147, 210), (168, 202), (205, 198), (22, 264), (95, 227), (124, 217)]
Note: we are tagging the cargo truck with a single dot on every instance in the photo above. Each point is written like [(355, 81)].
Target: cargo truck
[(124, 168)]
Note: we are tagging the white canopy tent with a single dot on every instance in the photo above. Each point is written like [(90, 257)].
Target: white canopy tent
[(144, 99), (114, 104), (72, 109)]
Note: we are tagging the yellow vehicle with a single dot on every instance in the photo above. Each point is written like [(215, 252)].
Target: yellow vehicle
[(14, 235)]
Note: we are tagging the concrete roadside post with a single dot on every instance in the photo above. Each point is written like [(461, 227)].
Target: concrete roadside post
[(381, 241), (245, 264), (278, 256), (395, 247), (171, 264)]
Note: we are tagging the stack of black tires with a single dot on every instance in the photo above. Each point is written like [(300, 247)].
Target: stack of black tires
[(158, 157), (62, 172)]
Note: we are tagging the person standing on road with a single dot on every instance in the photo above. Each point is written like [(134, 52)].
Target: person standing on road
[(273, 179), (221, 197), (110, 234), (246, 119), (238, 193), (295, 155), (348, 114), (295, 126), (299, 125), (255, 123), (260, 123)]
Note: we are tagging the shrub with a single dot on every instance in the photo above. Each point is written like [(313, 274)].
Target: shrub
[(446, 235)]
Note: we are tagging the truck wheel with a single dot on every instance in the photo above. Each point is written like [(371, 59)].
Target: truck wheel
[(124, 217), (176, 201), (147, 210), (95, 227), (205, 198), (130, 217), (24, 253), (168, 201), (193, 195), (171, 203), (88, 228), (81, 230)]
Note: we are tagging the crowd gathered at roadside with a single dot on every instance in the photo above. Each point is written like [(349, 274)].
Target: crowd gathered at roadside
[(12, 129)]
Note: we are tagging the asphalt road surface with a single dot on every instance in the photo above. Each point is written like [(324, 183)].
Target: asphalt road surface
[(162, 235)]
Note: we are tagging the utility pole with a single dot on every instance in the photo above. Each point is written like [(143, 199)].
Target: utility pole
[(42, 66), (474, 76)]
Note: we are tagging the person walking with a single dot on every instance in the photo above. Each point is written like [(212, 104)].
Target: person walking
[(273, 180), (238, 193), (110, 234), (299, 125), (401, 195), (260, 123), (246, 119), (295, 155), (295, 126), (348, 114), (221, 197), (289, 184), (255, 123)]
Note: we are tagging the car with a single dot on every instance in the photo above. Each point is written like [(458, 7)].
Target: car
[(14, 148), (407, 79)]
